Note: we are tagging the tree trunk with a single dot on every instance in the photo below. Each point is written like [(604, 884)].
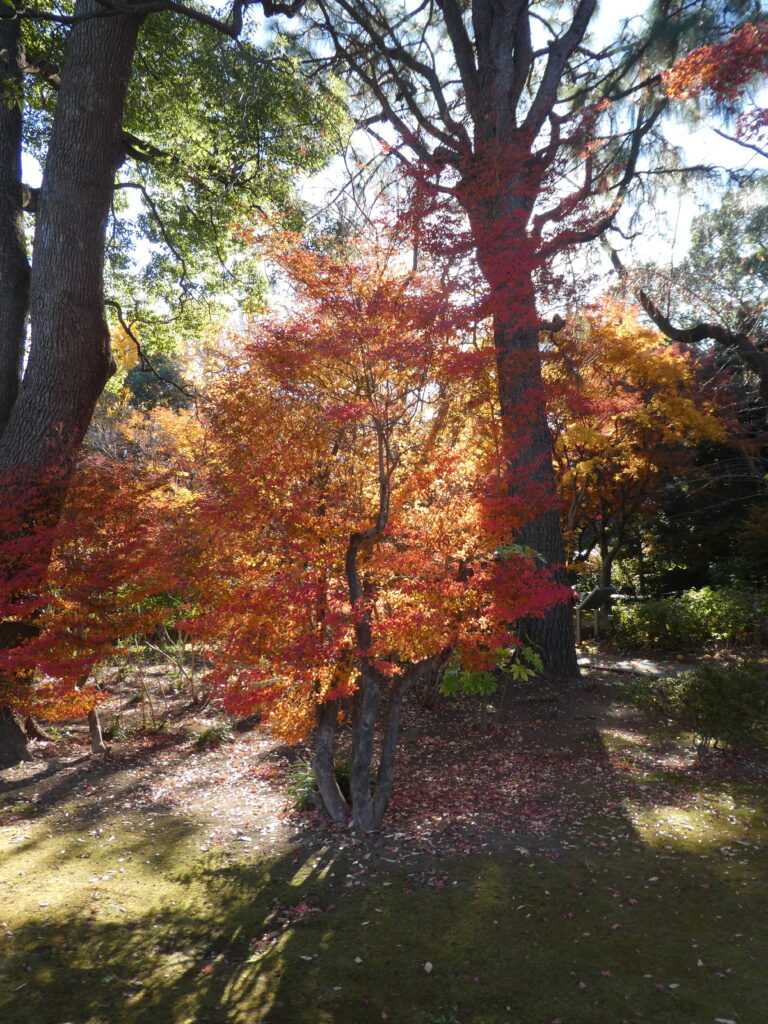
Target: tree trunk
[(35, 731), (13, 742), (70, 358), (385, 775), (94, 731), (363, 732), (14, 268), (333, 802), (521, 398), (606, 570)]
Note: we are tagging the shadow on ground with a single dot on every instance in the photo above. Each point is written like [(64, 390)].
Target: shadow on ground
[(644, 899)]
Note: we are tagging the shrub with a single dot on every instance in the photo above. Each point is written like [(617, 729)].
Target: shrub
[(662, 623), (726, 704), (695, 617)]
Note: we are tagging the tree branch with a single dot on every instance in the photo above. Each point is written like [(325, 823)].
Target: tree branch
[(735, 341), (146, 363)]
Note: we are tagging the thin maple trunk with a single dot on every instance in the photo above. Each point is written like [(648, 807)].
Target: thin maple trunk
[(323, 767), (363, 733), (385, 775), (94, 731)]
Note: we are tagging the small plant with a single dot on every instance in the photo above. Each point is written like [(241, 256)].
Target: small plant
[(516, 663), (215, 735), (301, 784), (115, 730), (450, 1016)]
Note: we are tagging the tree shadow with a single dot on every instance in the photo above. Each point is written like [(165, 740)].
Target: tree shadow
[(639, 902)]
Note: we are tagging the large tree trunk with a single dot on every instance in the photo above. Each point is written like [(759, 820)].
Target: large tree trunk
[(69, 357), (13, 741), (14, 268), (521, 398)]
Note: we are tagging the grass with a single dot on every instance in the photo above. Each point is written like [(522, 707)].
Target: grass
[(656, 915)]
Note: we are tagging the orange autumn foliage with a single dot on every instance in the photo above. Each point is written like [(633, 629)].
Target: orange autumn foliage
[(356, 491), (724, 71), (625, 407), (115, 556)]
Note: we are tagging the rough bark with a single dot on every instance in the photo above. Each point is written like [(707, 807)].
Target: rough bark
[(333, 802), (13, 742), (14, 268), (70, 359), (523, 412)]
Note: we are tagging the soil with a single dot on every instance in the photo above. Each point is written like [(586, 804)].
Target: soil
[(469, 780)]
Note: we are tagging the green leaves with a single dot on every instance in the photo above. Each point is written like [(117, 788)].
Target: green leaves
[(520, 550), (519, 663)]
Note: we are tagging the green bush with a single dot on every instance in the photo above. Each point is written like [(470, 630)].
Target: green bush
[(727, 705), (694, 618), (661, 623), (723, 704)]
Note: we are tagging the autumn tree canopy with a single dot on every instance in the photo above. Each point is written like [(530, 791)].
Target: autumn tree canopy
[(626, 409), (357, 519)]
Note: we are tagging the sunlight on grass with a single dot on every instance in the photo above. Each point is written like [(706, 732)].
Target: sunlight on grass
[(687, 827), (310, 867), (255, 988)]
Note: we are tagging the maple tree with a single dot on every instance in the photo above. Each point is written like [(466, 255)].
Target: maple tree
[(122, 544), (626, 407), (357, 520), (509, 115)]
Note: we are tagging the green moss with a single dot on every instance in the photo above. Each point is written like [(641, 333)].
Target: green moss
[(658, 914)]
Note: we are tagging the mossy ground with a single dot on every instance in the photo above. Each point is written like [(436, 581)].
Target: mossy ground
[(653, 910)]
